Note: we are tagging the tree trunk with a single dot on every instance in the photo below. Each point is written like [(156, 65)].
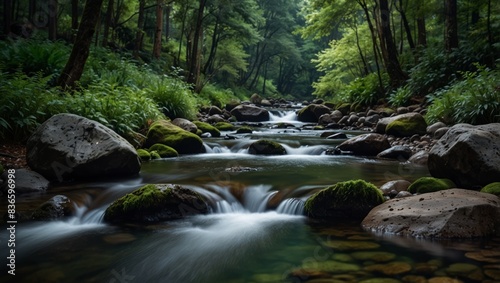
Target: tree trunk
[(168, 12), (158, 30), (74, 19), (80, 52), (52, 13), (488, 25), (194, 62), (108, 22), (7, 16), (396, 74), (451, 25), (139, 36), (421, 32), (406, 25)]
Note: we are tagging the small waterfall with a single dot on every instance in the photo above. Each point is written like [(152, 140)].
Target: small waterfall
[(291, 206), (305, 150), (257, 197), (283, 116)]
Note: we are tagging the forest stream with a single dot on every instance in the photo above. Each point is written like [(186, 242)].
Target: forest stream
[(256, 231)]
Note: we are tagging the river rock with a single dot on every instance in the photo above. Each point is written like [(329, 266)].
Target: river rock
[(250, 113), (55, 208), (419, 158), (468, 155), (164, 132), (395, 186), (312, 112), (439, 133), (207, 128), (214, 110), (454, 213), (344, 201), (27, 181), (68, 146), (429, 184), (255, 99), (185, 124), (155, 203), (366, 144), (434, 127), (266, 147), (402, 125), (399, 152)]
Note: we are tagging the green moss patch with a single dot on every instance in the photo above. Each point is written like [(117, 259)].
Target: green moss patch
[(207, 128), (166, 133), (155, 202), (266, 147), (224, 126), (144, 155), (493, 188), (164, 151), (244, 130), (350, 200), (430, 184), (407, 126)]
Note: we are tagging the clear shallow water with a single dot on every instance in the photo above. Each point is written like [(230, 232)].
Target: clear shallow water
[(255, 232)]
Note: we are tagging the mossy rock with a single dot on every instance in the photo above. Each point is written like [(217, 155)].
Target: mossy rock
[(144, 155), (429, 185), (266, 147), (154, 203), (312, 112), (207, 128), (318, 128), (224, 126), (345, 108), (154, 155), (493, 188), (244, 130), (407, 127), (164, 151), (344, 201), (182, 141)]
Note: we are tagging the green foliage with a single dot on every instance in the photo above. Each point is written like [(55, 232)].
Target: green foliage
[(401, 96), (212, 95), (33, 57), (473, 100), (429, 184), (25, 102), (366, 90), (174, 97)]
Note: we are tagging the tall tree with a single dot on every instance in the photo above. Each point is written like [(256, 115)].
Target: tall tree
[(139, 36), (108, 22), (451, 25), (194, 61), (52, 14), (7, 16), (158, 29), (74, 18), (81, 48)]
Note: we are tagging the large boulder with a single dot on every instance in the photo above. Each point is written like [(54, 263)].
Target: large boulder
[(454, 213), (155, 203), (468, 155), (266, 147), (344, 201), (184, 142), (26, 182), (312, 112), (67, 147), (185, 124), (250, 113), (366, 144), (407, 124)]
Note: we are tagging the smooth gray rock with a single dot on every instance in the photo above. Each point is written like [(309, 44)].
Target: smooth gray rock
[(395, 186), (250, 113), (26, 182), (366, 144), (419, 158), (185, 124), (468, 155), (431, 129), (454, 213), (399, 152), (68, 147)]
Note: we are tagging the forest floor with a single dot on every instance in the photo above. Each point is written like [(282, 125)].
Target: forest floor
[(13, 156)]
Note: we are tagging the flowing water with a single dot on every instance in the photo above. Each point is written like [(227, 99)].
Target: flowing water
[(255, 231)]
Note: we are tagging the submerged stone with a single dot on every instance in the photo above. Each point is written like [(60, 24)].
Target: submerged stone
[(393, 268), (374, 256), (351, 245)]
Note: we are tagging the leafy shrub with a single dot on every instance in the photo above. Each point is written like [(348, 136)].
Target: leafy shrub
[(401, 96), (366, 90), (174, 97), (24, 104), (472, 100), (211, 95), (33, 57)]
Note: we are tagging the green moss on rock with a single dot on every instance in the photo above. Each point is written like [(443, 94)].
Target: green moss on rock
[(154, 203), (244, 130), (144, 155), (224, 126), (164, 151), (344, 201), (207, 128), (154, 155), (407, 126), (430, 184), (266, 147), (493, 188), (182, 141)]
